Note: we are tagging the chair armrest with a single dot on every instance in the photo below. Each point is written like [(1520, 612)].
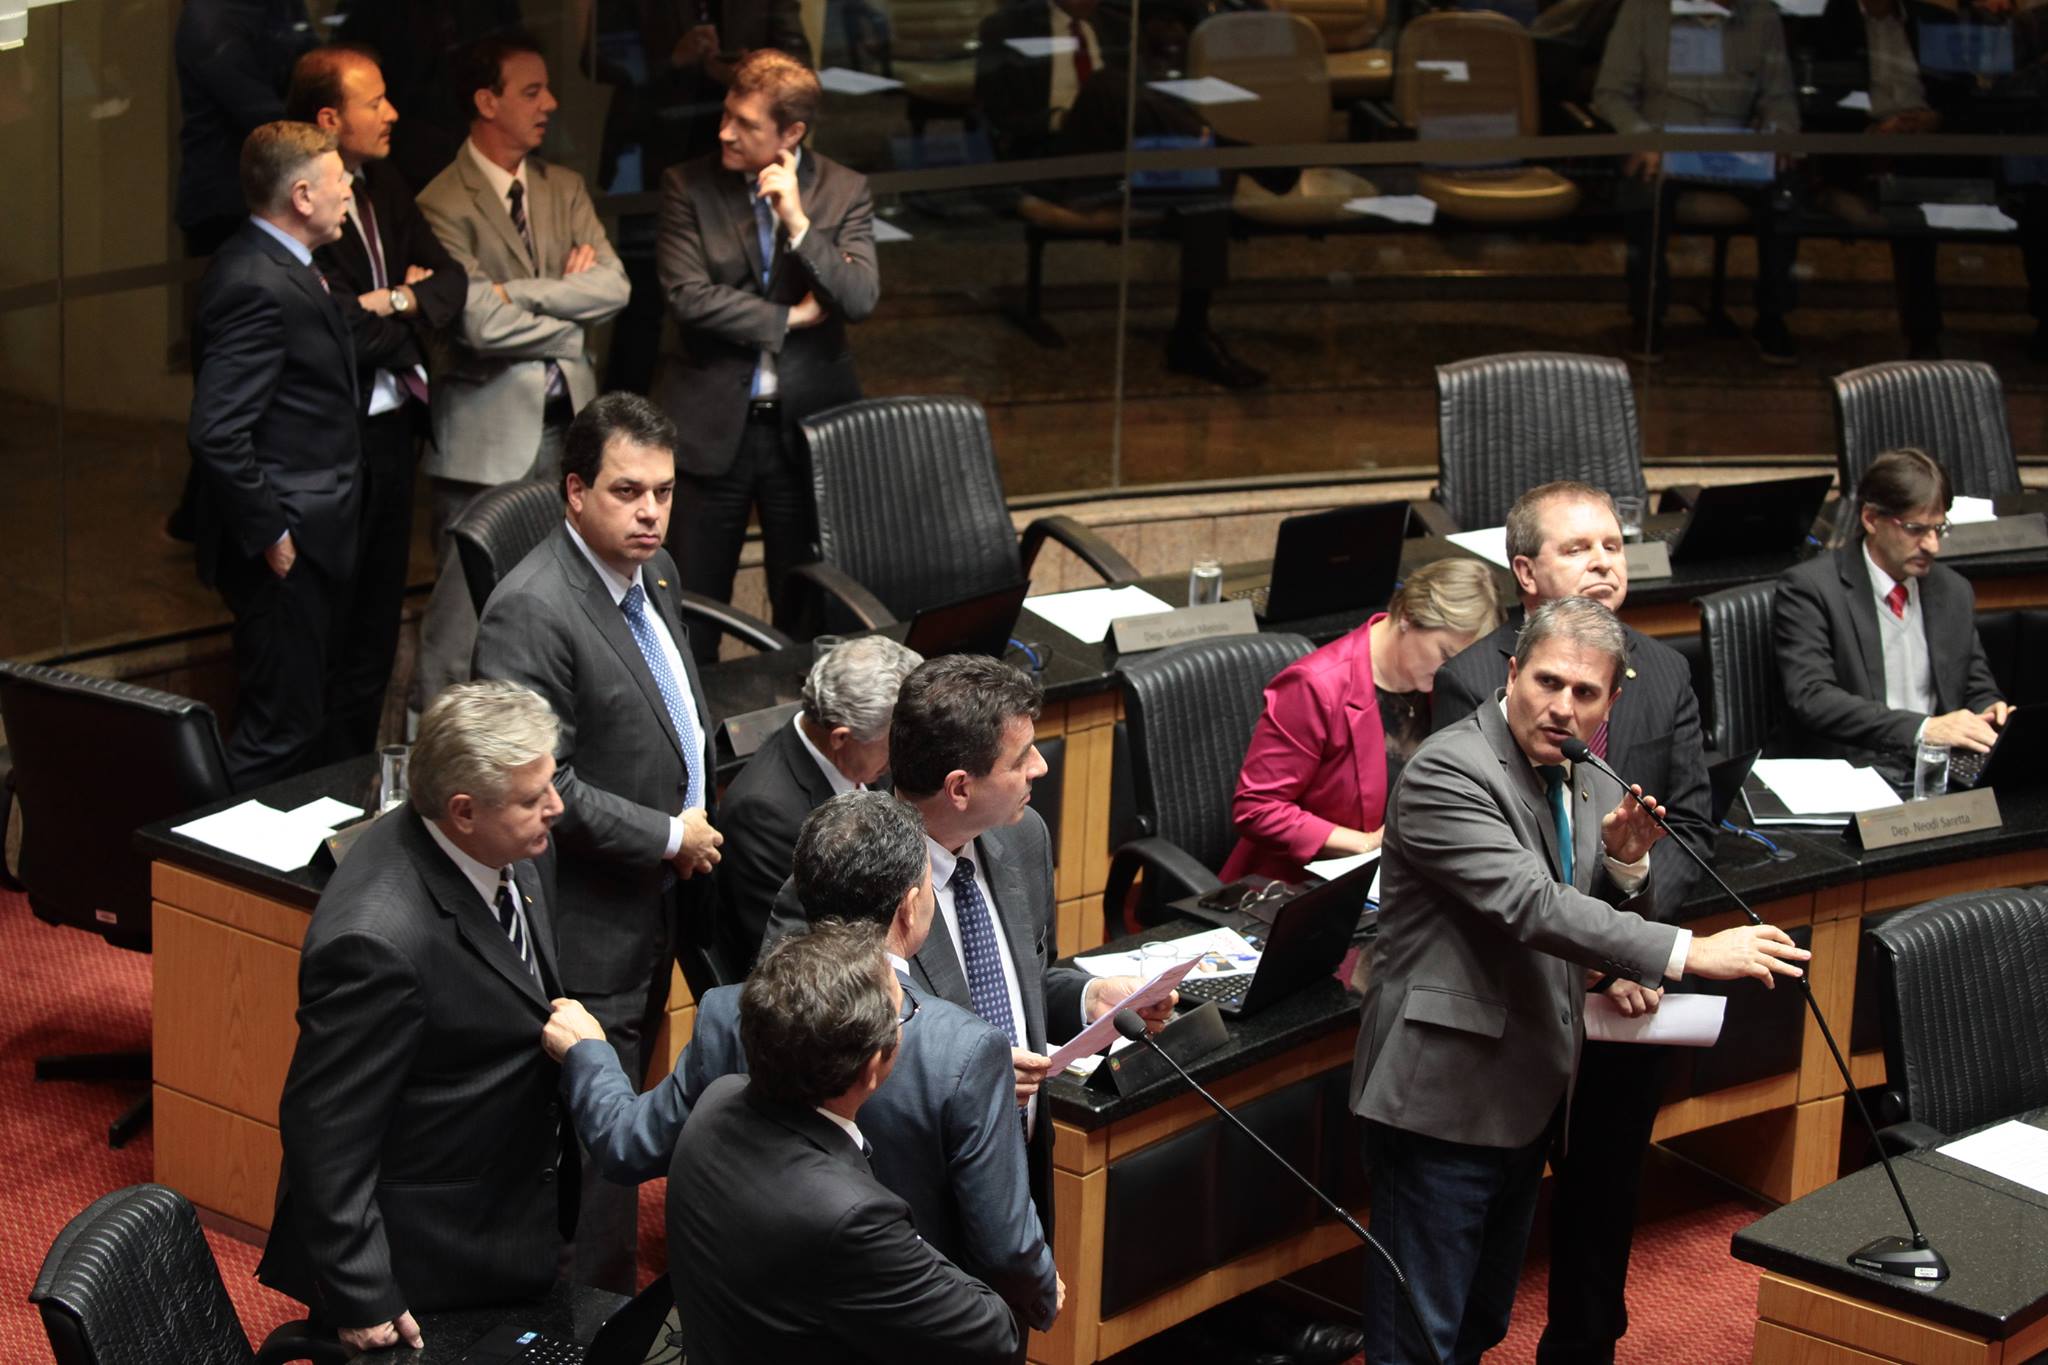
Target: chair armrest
[(7, 877), (733, 621), (1433, 515), (1097, 553), (300, 1340), (1172, 869), (836, 583), (1379, 123), (1901, 1138)]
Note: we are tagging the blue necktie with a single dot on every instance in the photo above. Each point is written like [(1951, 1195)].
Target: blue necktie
[(985, 988), (680, 712), (764, 230), (1553, 778)]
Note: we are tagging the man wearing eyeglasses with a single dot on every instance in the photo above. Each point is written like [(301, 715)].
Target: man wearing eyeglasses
[(1877, 643)]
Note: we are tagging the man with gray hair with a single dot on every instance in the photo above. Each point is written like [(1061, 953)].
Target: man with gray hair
[(277, 463), (945, 1131), (838, 742), (425, 1165), (1502, 881)]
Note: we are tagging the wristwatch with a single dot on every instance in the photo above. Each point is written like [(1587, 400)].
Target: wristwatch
[(398, 303)]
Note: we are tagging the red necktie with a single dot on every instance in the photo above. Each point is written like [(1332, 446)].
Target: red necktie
[(1083, 68), (1896, 600)]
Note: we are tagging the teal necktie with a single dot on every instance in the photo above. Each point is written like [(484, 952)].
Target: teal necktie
[(1553, 778)]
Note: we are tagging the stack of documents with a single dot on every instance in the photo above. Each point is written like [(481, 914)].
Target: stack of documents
[(1814, 791), (281, 839), (1223, 952)]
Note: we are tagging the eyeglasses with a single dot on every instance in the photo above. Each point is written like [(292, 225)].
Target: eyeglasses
[(907, 1011), (1920, 529)]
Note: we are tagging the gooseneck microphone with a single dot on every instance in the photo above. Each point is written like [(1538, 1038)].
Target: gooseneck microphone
[(1132, 1027), (1908, 1258)]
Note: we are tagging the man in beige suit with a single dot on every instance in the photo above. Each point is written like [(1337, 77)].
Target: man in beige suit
[(541, 272)]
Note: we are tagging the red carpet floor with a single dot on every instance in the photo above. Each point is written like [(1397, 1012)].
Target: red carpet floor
[(65, 991)]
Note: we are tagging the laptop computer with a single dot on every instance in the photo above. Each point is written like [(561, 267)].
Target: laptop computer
[(1724, 784), (635, 1335), (979, 623), (2019, 759), (1731, 520), (1345, 559), (1308, 937)]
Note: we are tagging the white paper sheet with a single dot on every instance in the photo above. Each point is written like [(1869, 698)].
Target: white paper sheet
[(1204, 90), (844, 81), (1824, 786), (1401, 208), (1855, 99), (1456, 73), (1803, 9), (1102, 1032), (1964, 511), (886, 231), (1044, 47), (1684, 9), (1086, 613), (1329, 869), (1682, 1020), (327, 812), (1218, 952), (2018, 1151), (1490, 544), (1968, 218), (263, 834)]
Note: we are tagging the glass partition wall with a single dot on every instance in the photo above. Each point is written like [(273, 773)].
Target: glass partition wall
[(1161, 241)]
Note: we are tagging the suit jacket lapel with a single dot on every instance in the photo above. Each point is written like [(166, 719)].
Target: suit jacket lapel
[(937, 965), (597, 604), (1588, 852), (1863, 616), (492, 209), (540, 925), (458, 899), (659, 591), (733, 196), (1368, 738), (1948, 650), (540, 214), (1627, 720), (1521, 776)]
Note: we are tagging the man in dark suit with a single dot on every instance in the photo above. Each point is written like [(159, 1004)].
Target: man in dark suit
[(589, 620), (1564, 540), (275, 449), (1502, 873), (782, 1243), (944, 1128), (425, 1164), (838, 742), (395, 283), (766, 253), (1877, 643)]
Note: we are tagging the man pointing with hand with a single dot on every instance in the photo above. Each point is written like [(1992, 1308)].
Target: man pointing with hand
[(766, 252)]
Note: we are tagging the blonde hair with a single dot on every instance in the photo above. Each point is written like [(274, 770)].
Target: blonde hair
[(274, 157), (471, 736), (1458, 595)]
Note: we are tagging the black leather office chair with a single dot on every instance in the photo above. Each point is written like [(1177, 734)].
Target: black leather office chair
[(1745, 700), (161, 755), (911, 511), (1952, 409), (1506, 423), (1190, 712), (501, 526), (131, 1281), (1963, 1000)]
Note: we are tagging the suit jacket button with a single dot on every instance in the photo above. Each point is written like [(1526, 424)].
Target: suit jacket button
[(1564, 1016), (547, 1177)]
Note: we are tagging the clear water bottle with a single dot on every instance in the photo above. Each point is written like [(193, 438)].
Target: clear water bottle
[(1205, 583)]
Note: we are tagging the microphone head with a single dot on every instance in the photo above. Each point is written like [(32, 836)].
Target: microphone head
[(1130, 1025), (1575, 749)]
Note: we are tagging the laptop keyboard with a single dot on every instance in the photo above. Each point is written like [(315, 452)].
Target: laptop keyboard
[(1256, 596), (1965, 767), (546, 1350), (1228, 991)]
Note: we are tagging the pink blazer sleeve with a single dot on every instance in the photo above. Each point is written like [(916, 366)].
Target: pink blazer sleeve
[(1290, 745)]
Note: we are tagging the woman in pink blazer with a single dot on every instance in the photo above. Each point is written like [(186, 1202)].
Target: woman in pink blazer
[(1340, 723)]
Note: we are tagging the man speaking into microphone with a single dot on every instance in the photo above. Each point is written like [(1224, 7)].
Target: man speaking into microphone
[(1506, 872), (766, 251)]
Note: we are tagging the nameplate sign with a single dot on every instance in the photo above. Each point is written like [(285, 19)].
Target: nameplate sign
[(2004, 536), (1137, 634), (1938, 817), (747, 731), (1647, 559)]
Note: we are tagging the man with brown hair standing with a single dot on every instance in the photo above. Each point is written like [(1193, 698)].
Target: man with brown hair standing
[(767, 251)]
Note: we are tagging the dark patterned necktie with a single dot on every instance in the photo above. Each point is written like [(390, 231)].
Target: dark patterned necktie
[(985, 986), (517, 196), (507, 912), (681, 713)]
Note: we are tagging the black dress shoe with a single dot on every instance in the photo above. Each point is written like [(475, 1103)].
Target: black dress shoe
[(1203, 355), (1310, 1341)]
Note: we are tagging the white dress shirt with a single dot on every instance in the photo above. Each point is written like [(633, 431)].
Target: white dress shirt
[(617, 585), (846, 1126), (1908, 671), (385, 394), (839, 781), (484, 879), (1628, 876), (767, 384)]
